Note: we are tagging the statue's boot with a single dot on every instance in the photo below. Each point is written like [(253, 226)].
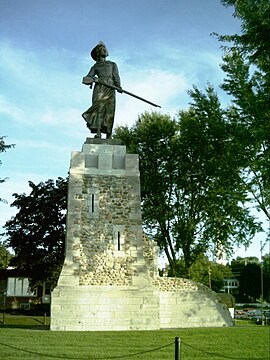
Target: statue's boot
[(98, 135)]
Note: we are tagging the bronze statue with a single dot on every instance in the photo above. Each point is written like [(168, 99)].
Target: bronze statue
[(100, 116)]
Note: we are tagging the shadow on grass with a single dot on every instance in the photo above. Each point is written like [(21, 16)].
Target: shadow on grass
[(29, 327), (21, 321)]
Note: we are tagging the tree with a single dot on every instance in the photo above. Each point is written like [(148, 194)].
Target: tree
[(36, 233), (3, 147), (5, 257), (192, 196), (218, 274), (246, 63), (254, 40)]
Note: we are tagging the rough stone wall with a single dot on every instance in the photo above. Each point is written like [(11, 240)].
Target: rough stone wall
[(107, 244), (104, 234), (150, 254)]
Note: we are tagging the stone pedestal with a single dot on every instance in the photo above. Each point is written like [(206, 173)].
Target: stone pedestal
[(110, 280), (105, 283)]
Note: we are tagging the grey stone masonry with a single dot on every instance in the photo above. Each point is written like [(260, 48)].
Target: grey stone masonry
[(110, 280), (104, 232)]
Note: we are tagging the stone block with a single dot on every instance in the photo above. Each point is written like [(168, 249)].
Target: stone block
[(118, 162), (132, 163), (91, 161), (77, 164)]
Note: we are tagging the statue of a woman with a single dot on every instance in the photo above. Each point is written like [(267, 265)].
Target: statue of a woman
[(100, 116)]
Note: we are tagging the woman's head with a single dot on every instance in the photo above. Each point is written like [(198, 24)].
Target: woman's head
[(99, 50)]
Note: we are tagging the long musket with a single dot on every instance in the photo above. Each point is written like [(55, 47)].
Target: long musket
[(89, 81)]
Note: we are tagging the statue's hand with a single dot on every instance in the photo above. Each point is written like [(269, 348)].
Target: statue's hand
[(86, 80), (120, 90)]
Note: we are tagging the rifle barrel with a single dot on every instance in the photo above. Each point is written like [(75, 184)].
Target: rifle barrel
[(140, 98), (126, 92)]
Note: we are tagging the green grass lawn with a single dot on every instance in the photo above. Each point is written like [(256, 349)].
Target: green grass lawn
[(29, 339)]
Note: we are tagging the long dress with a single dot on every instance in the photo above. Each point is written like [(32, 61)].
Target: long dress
[(100, 116)]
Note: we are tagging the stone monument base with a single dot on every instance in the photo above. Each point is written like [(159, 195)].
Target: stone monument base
[(123, 308), (107, 308), (110, 279)]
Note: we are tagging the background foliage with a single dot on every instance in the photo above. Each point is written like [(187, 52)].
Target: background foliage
[(36, 233)]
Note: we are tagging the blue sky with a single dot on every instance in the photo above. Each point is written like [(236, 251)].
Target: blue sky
[(162, 48)]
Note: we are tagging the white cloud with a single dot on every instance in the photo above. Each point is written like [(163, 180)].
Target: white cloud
[(10, 109), (197, 65), (60, 116), (160, 85), (18, 64), (163, 76), (36, 144), (164, 88), (37, 83)]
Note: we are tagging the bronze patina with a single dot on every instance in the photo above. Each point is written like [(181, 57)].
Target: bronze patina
[(105, 77)]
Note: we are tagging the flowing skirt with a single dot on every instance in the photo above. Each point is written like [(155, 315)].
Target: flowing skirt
[(100, 116)]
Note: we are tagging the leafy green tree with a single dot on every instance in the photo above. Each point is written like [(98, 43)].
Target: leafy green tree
[(5, 257), (246, 63), (3, 147), (218, 274), (192, 196), (36, 233), (217, 197), (253, 42)]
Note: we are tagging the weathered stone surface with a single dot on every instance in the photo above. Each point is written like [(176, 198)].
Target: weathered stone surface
[(110, 277)]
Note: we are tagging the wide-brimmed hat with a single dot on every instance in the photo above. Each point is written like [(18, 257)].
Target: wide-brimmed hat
[(95, 50)]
